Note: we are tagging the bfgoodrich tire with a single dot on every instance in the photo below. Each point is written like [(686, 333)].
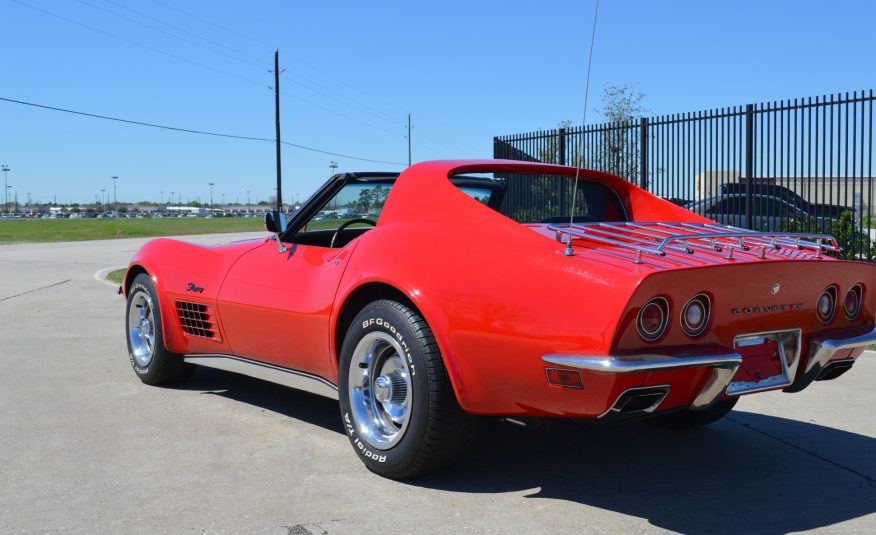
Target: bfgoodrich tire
[(689, 418), (152, 362), (397, 403)]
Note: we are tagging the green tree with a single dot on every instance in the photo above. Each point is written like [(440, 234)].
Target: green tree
[(617, 151), (366, 197)]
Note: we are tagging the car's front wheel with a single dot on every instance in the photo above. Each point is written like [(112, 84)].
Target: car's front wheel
[(397, 404), (152, 362)]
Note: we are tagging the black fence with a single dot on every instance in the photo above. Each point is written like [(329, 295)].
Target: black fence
[(801, 164)]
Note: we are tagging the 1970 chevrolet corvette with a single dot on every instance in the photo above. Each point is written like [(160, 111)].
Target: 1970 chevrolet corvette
[(418, 305)]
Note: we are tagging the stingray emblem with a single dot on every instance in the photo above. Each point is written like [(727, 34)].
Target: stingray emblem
[(775, 289), (192, 287)]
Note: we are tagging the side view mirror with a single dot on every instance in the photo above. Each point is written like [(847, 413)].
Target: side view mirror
[(275, 222)]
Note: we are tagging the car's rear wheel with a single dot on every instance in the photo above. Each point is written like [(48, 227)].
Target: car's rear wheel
[(152, 362), (690, 418), (397, 403)]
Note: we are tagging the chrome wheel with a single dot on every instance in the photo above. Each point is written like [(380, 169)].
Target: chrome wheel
[(380, 390), (141, 328)]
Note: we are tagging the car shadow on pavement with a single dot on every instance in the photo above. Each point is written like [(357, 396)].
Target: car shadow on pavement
[(747, 473), (303, 406)]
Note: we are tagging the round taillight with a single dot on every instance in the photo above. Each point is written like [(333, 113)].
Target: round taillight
[(653, 318), (695, 315), (852, 303), (825, 308)]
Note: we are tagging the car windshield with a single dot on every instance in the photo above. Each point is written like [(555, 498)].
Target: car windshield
[(353, 201), (365, 201)]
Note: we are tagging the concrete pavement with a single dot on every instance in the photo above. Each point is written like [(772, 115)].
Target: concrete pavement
[(86, 448)]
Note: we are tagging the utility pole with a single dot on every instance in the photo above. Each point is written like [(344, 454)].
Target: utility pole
[(115, 199), (409, 140), (333, 165), (277, 123), (5, 169)]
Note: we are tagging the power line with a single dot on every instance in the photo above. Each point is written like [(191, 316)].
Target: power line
[(183, 30), (169, 34), (186, 13), (326, 93), (202, 65), (131, 41), (193, 131), (297, 58), (438, 141)]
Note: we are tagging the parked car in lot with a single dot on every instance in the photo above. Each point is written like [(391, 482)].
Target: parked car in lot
[(769, 212), (820, 210), (443, 310)]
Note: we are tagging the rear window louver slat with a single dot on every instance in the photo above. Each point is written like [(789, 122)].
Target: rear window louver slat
[(197, 320)]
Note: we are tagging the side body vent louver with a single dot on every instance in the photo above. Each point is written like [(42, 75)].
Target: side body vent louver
[(197, 320)]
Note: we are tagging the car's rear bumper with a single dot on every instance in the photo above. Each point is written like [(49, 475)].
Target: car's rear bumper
[(827, 358), (827, 354)]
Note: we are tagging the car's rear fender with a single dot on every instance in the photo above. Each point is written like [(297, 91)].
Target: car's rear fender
[(523, 299)]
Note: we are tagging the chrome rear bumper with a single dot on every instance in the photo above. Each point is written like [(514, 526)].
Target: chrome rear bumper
[(724, 366), (823, 350)]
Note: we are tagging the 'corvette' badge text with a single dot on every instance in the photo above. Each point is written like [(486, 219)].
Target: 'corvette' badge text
[(767, 308)]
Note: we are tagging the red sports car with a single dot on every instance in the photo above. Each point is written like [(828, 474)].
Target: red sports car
[(460, 289)]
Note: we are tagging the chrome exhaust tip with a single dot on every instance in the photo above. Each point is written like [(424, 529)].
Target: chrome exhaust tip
[(834, 369), (643, 399)]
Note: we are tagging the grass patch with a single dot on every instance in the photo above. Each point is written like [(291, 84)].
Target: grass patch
[(53, 230), (116, 276)]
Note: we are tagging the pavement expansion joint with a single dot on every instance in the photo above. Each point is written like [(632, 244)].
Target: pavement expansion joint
[(790, 444), (35, 290)]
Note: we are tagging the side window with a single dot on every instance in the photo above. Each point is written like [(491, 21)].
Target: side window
[(548, 199)]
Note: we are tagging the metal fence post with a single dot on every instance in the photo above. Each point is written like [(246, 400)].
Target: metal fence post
[(561, 146), (749, 165), (643, 154)]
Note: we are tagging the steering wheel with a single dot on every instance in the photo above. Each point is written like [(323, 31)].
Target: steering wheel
[(346, 224)]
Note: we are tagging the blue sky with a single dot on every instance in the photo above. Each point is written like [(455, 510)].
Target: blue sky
[(466, 70)]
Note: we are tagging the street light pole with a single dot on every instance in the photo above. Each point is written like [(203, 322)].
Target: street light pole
[(211, 193), (247, 201), (5, 169), (115, 199), (102, 192)]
